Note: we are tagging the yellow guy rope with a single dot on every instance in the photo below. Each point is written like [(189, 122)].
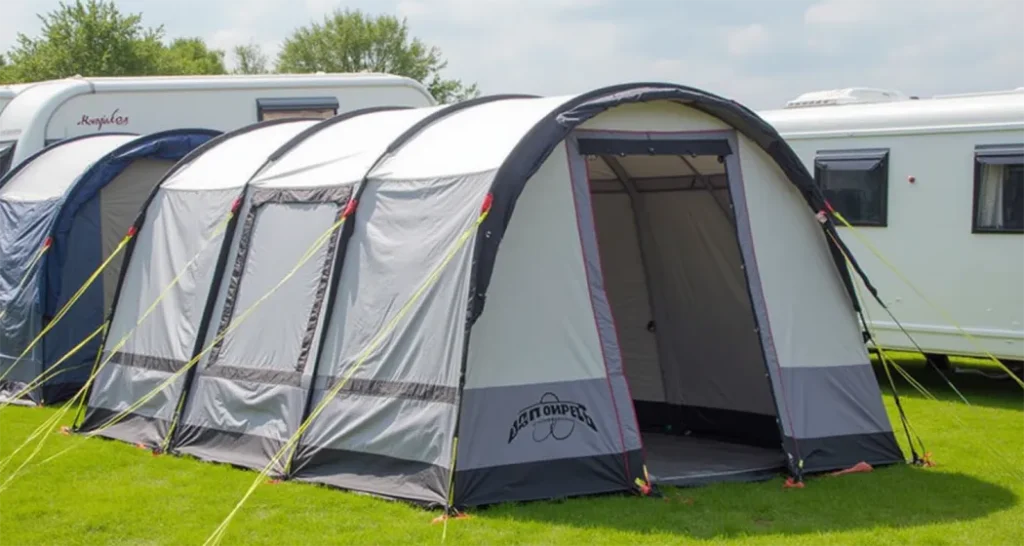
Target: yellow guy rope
[(81, 394), (28, 272), (310, 252), (930, 303), (52, 371), (218, 534), (74, 298)]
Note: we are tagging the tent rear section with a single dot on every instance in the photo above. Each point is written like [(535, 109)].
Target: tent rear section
[(31, 197), (161, 305), (89, 231)]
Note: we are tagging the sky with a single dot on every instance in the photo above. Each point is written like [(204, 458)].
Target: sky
[(759, 52)]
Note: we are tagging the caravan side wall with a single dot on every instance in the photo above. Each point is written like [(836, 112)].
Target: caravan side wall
[(222, 110), (975, 277)]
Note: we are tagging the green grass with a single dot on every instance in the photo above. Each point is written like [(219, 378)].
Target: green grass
[(105, 492)]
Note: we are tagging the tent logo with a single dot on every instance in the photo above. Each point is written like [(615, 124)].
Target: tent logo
[(551, 418)]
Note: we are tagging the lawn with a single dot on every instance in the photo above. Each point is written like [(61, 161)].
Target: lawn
[(105, 492)]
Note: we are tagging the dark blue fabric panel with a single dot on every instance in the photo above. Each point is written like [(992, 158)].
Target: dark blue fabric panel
[(23, 230), (82, 255)]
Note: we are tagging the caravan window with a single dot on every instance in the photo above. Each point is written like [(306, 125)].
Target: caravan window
[(296, 107), (856, 183), (999, 188)]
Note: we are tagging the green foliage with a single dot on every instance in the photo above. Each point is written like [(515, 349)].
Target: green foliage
[(191, 56), (250, 59), (351, 41), (93, 38)]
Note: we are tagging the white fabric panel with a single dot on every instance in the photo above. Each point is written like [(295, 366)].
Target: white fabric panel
[(653, 117), (472, 140), (538, 325), (120, 203), (51, 174), (179, 226), (232, 162), (342, 152), (812, 320), (626, 284)]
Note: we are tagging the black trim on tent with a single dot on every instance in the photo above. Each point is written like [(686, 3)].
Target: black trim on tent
[(838, 452), (558, 478), (611, 146), (347, 229), (535, 147)]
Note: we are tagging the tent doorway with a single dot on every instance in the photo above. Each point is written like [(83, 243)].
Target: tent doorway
[(677, 289)]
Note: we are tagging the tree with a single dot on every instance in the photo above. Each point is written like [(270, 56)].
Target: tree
[(250, 59), (93, 38), (191, 56), (351, 41)]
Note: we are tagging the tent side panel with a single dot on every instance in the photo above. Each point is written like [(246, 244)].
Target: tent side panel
[(24, 226), (158, 314), (250, 389), (395, 339), (546, 410), (76, 260), (829, 401)]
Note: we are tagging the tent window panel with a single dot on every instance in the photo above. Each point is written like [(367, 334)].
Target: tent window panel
[(856, 183), (298, 107), (999, 189)]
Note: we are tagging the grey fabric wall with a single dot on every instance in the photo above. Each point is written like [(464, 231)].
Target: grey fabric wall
[(120, 203), (626, 283), (710, 355)]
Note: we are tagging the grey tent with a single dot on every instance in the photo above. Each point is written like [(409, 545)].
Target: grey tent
[(512, 298)]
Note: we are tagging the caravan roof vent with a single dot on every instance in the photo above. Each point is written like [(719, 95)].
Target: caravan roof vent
[(850, 95)]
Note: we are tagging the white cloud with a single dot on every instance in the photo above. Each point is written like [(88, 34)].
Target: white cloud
[(745, 40), (841, 12)]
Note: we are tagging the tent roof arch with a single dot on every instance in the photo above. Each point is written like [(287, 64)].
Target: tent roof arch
[(98, 140), (563, 117), (357, 142)]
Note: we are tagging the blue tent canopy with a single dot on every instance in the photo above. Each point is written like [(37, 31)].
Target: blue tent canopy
[(83, 223)]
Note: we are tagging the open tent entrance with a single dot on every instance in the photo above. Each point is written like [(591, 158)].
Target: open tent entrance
[(676, 285)]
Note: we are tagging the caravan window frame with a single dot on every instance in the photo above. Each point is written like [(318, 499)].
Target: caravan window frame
[(299, 106), (878, 158), (1009, 155)]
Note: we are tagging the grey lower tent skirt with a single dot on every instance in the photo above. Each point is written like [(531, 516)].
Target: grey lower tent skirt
[(687, 460)]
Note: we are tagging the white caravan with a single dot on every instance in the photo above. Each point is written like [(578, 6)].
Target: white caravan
[(937, 186), (55, 110)]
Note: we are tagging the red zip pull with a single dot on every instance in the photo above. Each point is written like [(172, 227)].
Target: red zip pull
[(488, 201), (236, 204)]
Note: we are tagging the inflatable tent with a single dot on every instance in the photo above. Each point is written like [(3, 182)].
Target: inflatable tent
[(76, 200), (509, 298)]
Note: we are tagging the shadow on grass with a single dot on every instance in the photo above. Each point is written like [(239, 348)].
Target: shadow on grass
[(978, 390), (894, 497)]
